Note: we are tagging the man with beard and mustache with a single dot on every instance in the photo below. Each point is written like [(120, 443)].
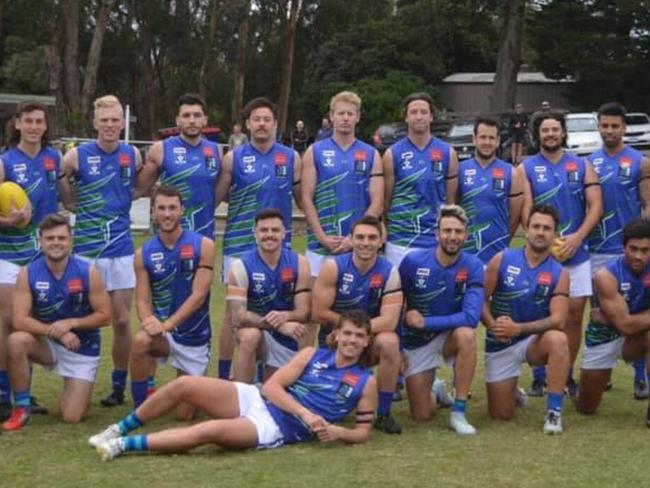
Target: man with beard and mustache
[(104, 172), (364, 280), (189, 162), (174, 271), (621, 326), (526, 305), (625, 179), (444, 295), (59, 305), (259, 174), (270, 300), (570, 184), (490, 192), (420, 174)]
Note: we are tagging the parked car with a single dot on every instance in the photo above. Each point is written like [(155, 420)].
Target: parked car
[(388, 134), (637, 133), (460, 137), (583, 137)]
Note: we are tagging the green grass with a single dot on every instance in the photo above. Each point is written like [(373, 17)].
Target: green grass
[(608, 449)]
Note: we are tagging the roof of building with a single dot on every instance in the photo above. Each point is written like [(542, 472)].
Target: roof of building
[(522, 77)]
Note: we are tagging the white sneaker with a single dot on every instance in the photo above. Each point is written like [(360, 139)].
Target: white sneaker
[(459, 424), (110, 449), (439, 390), (111, 432), (553, 423), (521, 399)]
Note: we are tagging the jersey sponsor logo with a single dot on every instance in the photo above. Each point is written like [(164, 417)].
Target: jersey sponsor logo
[(597, 164), (207, 151), (75, 293), (624, 167), (209, 159), (376, 281), (125, 167), (158, 261), (498, 179), (94, 165), (406, 157), (187, 258), (346, 387), (511, 275), (543, 288), (180, 155), (328, 158), (288, 286), (436, 161), (461, 281), (360, 162), (625, 288), (75, 285), (49, 165), (469, 175), (346, 283), (43, 288), (286, 274), (540, 174), (422, 277), (571, 168), (21, 172), (317, 368), (249, 164), (280, 161)]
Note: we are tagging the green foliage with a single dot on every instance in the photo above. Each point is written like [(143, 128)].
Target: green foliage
[(23, 69)]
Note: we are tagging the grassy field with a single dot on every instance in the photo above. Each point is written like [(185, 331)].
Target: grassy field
[(608, 449)]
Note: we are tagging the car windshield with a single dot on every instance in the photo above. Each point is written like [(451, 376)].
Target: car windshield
[(637, 120), (460, 130), (583, 124)]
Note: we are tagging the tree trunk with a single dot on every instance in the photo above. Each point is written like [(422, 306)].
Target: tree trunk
[(216, 8), (94, 56), (53, 64), (289, 27), (70, 16), (505, 80), (240, 65), (147, 109)]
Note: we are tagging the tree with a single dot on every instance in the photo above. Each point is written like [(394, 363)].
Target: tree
[(509, 59), (289, 11), (240, 63)]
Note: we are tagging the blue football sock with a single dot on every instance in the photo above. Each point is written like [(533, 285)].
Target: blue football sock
[(139, 392), (22, 399), (539, 373), (5, 387), (459, 406), (118, 378), (223, 369), (639, 370), (129, 423), (385, 401), (136, 443), (259, 374), (554, 401)]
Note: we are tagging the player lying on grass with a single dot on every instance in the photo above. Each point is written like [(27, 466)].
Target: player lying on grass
[(300, 402)]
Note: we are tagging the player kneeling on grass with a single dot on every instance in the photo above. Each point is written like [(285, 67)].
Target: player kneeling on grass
[(173, 276), (59, 305), (621, 326), (526, 305), (268, 291), (300, 402)]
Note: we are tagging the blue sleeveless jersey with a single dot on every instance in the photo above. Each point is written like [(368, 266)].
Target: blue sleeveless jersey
[(563, 186), (104, 193), (434, 290), (171, 273), (635, 289), (259, 180), (38, 177), (342, 187), (484, 194), (272, 289), (619, 180), (420, 189), (325, 390), (57, 299), (194, 171), (522, 293)]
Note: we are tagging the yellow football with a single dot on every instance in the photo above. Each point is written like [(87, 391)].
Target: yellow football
[(556, 250), (12, 192)]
